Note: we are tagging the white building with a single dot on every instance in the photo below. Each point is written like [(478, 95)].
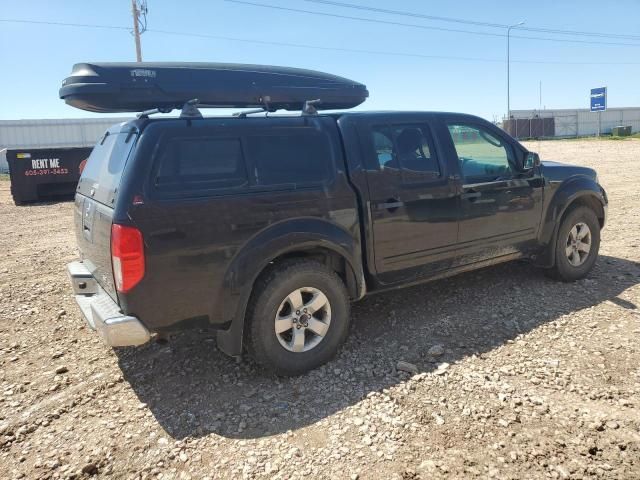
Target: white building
[(578, 122), (77, 132)]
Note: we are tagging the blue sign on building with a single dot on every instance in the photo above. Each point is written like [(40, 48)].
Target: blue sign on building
[(599, 99)]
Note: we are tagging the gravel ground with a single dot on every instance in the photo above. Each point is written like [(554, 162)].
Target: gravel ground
[(515, 375)]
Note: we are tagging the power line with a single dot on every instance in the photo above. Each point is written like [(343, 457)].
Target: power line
[(143, 10), (471, 22), (322, 47), (63, 24), (407, 14), (582, 33), (311, 46), (424, 27), (348, 17), (379, 52)]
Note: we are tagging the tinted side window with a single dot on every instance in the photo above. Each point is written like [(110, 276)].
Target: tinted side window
[(406, 147), (201, 163), (383, 144), (101, 175), (482, 156), (298, 157)]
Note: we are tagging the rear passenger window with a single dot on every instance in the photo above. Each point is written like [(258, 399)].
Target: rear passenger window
[(295, 158), (406, 148), (201, 163)]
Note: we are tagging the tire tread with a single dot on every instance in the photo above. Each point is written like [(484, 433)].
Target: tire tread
[(264, 288), (560, 271)]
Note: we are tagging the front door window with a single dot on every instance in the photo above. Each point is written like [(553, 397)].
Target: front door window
[(483, 157)]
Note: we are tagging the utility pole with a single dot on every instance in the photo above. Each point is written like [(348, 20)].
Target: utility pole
[(540, 100), (509, 68), (136, 29)]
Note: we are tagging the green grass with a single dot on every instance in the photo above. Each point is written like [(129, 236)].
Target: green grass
[(4, 177), (617, 137), (593, 138)]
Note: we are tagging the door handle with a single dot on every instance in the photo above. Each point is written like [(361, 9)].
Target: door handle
[(392, 205), (471, 196), (168, 234)]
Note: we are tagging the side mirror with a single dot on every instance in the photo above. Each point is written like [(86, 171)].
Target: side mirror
[(531, 160)]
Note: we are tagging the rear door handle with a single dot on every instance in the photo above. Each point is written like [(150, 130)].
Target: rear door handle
[(168, 234), (471, 196), (392, 204)]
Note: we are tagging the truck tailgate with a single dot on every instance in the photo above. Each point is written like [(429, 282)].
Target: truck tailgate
[(95, 200), (93, 235)]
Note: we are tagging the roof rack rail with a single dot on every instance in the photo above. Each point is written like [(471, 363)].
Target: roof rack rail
[(190, 109), (244, 113), (152, 111)]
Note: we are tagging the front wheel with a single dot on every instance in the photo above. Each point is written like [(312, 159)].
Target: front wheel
[(577, 245), (298, 317)]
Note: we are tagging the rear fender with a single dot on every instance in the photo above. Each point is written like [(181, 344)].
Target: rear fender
[(280, 241)]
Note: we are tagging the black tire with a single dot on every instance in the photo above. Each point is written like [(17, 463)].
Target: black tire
[(563, 269), (262, 341)]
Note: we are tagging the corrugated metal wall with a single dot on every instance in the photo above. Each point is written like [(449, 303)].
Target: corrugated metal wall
[(53, 133), (76, 132), (582, 122)]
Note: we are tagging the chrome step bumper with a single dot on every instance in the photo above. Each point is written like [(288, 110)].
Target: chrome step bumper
[(102, 313)]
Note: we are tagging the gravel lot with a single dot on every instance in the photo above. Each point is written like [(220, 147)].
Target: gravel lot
[(518, 376)]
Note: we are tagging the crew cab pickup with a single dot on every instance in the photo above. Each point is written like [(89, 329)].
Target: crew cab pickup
[(266, 228)]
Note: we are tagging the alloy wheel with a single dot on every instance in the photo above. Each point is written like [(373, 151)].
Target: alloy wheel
[(303, 319), (578, 244)]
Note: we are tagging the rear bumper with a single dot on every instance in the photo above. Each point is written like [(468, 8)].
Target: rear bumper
[(102, 313)]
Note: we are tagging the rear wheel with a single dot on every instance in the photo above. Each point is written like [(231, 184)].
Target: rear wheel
[(577, 245), (298, 317)]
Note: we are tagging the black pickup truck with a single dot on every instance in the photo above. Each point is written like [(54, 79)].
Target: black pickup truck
[(266, 228)]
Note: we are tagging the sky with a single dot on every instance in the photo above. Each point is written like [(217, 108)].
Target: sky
[(411, 74)]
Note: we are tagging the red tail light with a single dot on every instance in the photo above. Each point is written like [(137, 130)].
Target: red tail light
[(127, 255)]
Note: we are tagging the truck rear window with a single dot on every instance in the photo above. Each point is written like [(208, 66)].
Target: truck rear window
[(101, 175)]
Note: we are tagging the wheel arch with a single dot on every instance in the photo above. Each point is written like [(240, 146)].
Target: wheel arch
[(580, 191), (589, 201), (314, 239)]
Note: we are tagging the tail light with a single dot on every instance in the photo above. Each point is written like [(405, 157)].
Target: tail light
[(127, 255)]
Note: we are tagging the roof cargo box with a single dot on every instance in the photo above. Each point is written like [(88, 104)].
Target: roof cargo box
[(135, 87)]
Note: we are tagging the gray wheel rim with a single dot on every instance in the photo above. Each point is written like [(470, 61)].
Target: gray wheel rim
[(578, 244), (303, 319)]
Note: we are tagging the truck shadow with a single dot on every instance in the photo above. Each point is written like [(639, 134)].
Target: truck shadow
[(192, 389)]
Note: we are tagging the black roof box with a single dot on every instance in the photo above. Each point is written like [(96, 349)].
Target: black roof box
[(134, 87)]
